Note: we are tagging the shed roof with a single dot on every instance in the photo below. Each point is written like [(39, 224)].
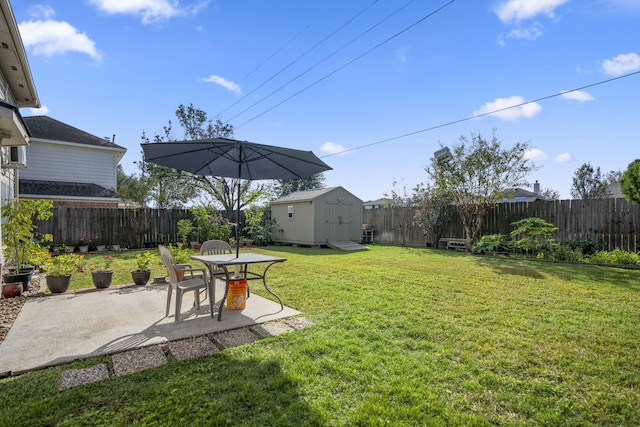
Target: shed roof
[(306, 195), (44, 127)]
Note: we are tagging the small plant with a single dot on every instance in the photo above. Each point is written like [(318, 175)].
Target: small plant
[(64, 265), (19, 231), (180, 256), (144, 260), (533, 234), (185, 227), (108, 260)]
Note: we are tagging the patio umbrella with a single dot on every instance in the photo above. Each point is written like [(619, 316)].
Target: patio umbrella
[(231, 158)]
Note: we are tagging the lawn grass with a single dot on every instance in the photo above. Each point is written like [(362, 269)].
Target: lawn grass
[(402, 336)]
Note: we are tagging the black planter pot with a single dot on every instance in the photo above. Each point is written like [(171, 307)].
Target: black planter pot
[(140, 278), (102, 279), (23, 276), (58, 284)]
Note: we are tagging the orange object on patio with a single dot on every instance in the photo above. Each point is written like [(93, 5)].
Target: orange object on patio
[(237, 296)]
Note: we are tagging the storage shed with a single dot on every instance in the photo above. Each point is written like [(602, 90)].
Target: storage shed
[(317, 217)]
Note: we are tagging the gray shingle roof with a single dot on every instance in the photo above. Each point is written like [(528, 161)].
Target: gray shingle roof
[(301, 196), (69, 189), (44, 127)]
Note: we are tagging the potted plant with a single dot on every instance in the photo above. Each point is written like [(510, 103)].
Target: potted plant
[(102, 276), (185, 227), (83, 244), (19, 234), (143, 263), (59, 269)]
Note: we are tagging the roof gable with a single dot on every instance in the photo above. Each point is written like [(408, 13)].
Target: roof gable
[(44, 127), (306, 195)]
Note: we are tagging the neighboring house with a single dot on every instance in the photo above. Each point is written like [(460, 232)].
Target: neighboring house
[(17, 90), (378, 204), (69, 166), (316, 217), (521, 195), (613, 190)]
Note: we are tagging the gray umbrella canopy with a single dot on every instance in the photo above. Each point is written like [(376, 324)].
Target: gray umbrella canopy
[(231, 158)]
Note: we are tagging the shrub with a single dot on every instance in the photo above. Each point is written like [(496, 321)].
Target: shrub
[(617, 256), (533, 234), (562, 252), (588, 245), (493, 243), (180, 256)]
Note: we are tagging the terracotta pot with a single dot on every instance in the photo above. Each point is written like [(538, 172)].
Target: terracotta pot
[(58, 284), (11, 290)]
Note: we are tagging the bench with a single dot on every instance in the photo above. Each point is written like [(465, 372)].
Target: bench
[(455, 244)]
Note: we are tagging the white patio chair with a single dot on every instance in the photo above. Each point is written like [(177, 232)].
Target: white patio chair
[(190, 282)]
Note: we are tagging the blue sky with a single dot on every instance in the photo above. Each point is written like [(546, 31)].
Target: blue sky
[(371, 85)]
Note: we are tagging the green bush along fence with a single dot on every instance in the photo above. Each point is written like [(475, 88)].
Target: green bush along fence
[(615, 221)]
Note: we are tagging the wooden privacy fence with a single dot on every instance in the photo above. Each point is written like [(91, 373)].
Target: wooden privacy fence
[(615, 221), (127, 227)]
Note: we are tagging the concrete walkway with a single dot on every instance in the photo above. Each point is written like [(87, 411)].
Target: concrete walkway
[(61, 328)]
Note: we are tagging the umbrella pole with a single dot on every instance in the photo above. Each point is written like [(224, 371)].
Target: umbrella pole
[(238, 213)]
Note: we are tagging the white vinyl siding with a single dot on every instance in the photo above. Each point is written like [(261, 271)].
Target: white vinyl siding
[(69, 163)]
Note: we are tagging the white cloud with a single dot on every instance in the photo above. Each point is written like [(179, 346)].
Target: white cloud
[(563, 158), (48, 37), (622, 64), (535, 154), (41, 11), (221, 81), (42, 111), (577, 95), (519, 10), (509, 108), (331, 148), (149, 10), (531, 33)]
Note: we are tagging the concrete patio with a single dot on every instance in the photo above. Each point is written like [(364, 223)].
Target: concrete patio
[(57, 329)]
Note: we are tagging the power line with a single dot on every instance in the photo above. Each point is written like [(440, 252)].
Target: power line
[(301, 56), (475, 116), (348, 63), (279, 50), (324, 59)]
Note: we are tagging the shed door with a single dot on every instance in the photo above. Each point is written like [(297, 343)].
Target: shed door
[(338, 214)]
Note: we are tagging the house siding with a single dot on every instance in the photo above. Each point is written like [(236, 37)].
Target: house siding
[(65, 162)]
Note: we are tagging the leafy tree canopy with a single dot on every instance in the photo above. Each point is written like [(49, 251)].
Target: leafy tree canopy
[(284, 187), (630, 182), (589, 183), (476, 176)]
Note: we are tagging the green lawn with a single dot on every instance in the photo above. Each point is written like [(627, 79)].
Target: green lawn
[(401, 337)]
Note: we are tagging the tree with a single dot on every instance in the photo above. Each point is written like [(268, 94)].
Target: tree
[(402, 203), (588, 183), (432, 212), (285, 187), (477, 175), (169, 188), (630, 182), (222, 190), (132, 189), (550, 194)]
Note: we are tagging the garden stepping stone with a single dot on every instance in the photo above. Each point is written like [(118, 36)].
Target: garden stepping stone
[(299, 322), (235, 337), (271, 329), (138, 360), (192, 348), (75, 377)]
